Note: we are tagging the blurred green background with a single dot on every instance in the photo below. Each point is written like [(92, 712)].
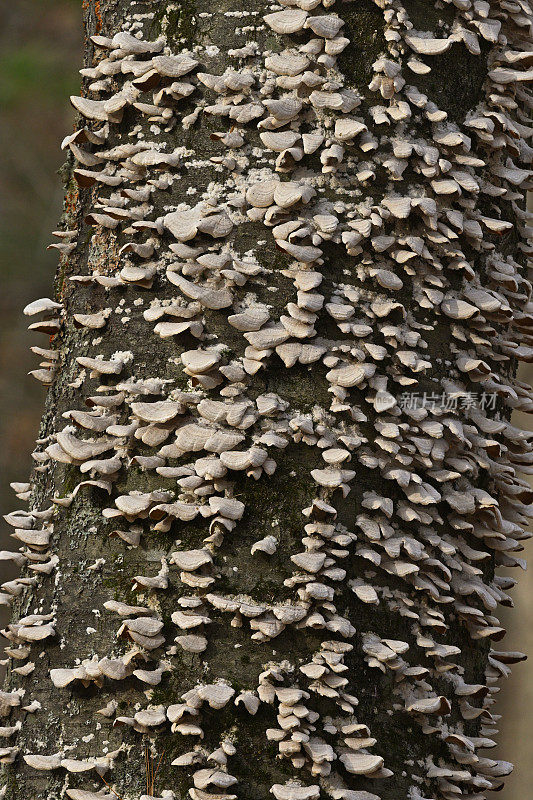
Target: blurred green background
[(40, 53)]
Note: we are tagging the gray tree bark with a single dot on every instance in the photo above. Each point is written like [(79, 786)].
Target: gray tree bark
[(275, 475)]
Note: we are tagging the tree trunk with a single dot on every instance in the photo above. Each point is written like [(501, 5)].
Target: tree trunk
[(276, 473)]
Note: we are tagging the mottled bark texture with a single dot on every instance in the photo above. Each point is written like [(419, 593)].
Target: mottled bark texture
[(276, 475)]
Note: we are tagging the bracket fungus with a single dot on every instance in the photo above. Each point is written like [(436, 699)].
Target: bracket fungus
[(323, 293)]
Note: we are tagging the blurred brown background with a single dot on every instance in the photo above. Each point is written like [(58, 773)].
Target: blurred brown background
[(40, 53)]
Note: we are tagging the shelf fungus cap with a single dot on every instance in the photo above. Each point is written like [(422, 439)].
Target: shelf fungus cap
[(227, 507), (44, 304), (93, 109), (290, 20), (197, 362), (191, 643), (158, 412), (133, 505), (151, 717), (174, 66), (288, 62), (361, 763), (310, 562), (352, 794), (217, 695), (45, 763), (428, 46), (267, 545), (346, 129), (199, 794), (261, 194), (75, 765), (63, 677), (190, 560), (125, 610), (250, 701), (210, 298), (251, 319), (458, 309), (294, 791), (100, 366), (430, 705), (216, 225), (213, 777), (327, 25)]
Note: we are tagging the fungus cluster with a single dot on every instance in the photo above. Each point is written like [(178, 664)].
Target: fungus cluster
[(362, 235)]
